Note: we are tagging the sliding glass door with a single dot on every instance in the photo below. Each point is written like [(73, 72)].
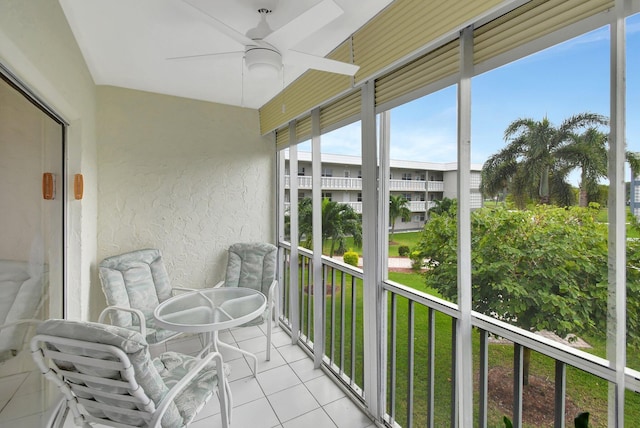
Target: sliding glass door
[(31, 244)]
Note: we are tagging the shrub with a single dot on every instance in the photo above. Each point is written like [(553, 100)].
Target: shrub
[(417, 260), (403, 251), (548, 265), (351, 258)]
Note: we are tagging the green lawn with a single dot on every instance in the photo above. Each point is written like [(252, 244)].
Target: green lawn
[(409, 239)]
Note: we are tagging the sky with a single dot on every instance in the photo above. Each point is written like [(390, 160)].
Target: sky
[(561, 81)]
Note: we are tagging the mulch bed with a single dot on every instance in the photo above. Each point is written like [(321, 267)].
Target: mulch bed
[(537, 399)]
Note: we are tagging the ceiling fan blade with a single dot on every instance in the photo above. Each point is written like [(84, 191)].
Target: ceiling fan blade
[(319, 63), (222, 27), (205, 56), (303, 25)]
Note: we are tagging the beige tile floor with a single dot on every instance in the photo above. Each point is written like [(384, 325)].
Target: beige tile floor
[(287, 391)]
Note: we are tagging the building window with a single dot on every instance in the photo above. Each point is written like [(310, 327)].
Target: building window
[(301, 171), (407, 196), (326, 195), (359, 173), (359, 196), (406, 176), (347, 173), (327, 172)]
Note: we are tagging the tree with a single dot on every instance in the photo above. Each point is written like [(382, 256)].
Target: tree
[(338, 222), (444, 206), (589, 152), (541, 269), (531, 165), (398, 207)]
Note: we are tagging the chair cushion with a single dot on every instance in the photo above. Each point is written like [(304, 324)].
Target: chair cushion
[(251, 265), (132, 343), (137, 280), (173, 366)]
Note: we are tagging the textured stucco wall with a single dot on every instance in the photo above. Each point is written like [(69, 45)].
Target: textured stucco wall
[(187, 177), (36, 45)]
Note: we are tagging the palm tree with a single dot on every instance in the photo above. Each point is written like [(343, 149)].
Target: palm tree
[(530, 165), (589, 152), (338, 222), (398, 207)]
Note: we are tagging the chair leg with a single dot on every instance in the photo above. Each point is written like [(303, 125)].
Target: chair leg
[(269, 337), (273, 317), (224, 393)]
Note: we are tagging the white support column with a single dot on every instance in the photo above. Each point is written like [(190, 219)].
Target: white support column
[(371, 284), (316, 196), (382, 257), (616, 305), (384, 175), (464, 360), (294, 308), (280, 181)]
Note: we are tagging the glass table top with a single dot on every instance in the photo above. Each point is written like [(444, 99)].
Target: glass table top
[(210, 309)]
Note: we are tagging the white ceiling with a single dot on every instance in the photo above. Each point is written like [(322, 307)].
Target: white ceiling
[(127, 43)]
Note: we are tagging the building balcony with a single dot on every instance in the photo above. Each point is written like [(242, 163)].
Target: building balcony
[(347, 183), (407, 185), (435, 186), (417, 206), (328, 183)]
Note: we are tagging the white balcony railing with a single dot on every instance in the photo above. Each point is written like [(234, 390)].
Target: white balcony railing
[(407, 185), (411, 356), (435, 186), (417, 206), (357, 206), (327, 183)]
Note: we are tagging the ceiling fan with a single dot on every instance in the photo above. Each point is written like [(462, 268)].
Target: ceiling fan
[(266, 51)]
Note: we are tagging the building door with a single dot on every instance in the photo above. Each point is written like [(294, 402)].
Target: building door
[(31, 244)]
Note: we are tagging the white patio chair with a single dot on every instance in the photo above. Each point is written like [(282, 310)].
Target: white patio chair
[(107, 376), (253, 265), (134, 284)]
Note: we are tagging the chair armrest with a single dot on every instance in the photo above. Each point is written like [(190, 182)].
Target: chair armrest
[(273, 288), (218, 285), (136, 312), (173, 392)]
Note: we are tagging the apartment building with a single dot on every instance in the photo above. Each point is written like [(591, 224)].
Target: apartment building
[(421, 183)]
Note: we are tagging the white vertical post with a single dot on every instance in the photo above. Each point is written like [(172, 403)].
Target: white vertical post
[(464, 339), (616, 305), (280, 182), (294, 302), (384, 176), (371, 285), (316, 197)]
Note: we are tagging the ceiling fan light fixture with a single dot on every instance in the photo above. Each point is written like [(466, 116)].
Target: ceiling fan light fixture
[(263, 62)]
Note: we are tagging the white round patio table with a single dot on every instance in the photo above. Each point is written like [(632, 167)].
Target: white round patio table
[(210, 310)]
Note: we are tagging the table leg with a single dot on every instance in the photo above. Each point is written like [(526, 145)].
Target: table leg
[(217, 343)]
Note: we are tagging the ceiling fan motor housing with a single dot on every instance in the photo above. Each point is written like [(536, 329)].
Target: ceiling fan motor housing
[(263, 61)]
